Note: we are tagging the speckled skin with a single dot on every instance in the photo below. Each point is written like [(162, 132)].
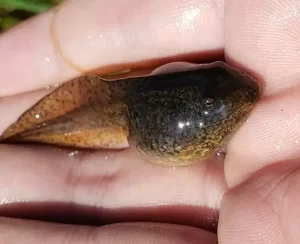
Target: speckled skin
[(174, 119), (181, 117), (65, 99)]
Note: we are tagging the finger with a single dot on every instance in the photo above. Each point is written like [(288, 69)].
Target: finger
[(261, 37), (265, 209), (20, 231), (107, 187), (109, 33)]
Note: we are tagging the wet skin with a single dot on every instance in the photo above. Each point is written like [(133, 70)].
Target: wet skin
[(173, 119)]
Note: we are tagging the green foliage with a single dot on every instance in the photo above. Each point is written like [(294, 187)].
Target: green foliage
[(14, 11)]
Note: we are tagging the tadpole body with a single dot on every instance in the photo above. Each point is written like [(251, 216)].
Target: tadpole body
[(173, 118)]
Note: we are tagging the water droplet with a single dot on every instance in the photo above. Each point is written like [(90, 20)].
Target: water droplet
[(187, 20), (279, 146), (108, 155), (73, 153), (52, 86), (57, 149)]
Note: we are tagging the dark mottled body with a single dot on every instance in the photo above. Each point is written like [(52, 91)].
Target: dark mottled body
[(187, 115), (174, 118)]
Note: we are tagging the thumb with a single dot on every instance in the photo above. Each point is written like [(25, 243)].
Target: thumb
[(105, 33), (265, 209)]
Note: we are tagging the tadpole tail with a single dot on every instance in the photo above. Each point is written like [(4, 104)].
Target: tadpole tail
[(81, 113)]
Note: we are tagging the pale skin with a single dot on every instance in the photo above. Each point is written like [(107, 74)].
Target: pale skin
[(254, 195)]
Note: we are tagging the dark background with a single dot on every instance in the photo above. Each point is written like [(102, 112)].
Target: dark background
[(14, 11)]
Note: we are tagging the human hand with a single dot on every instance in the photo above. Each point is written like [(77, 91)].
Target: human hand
[(260, 168)]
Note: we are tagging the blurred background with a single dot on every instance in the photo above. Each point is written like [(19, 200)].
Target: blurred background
[(14, 11)]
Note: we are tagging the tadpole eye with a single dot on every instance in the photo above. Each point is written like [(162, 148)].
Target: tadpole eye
[(209, 102)]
